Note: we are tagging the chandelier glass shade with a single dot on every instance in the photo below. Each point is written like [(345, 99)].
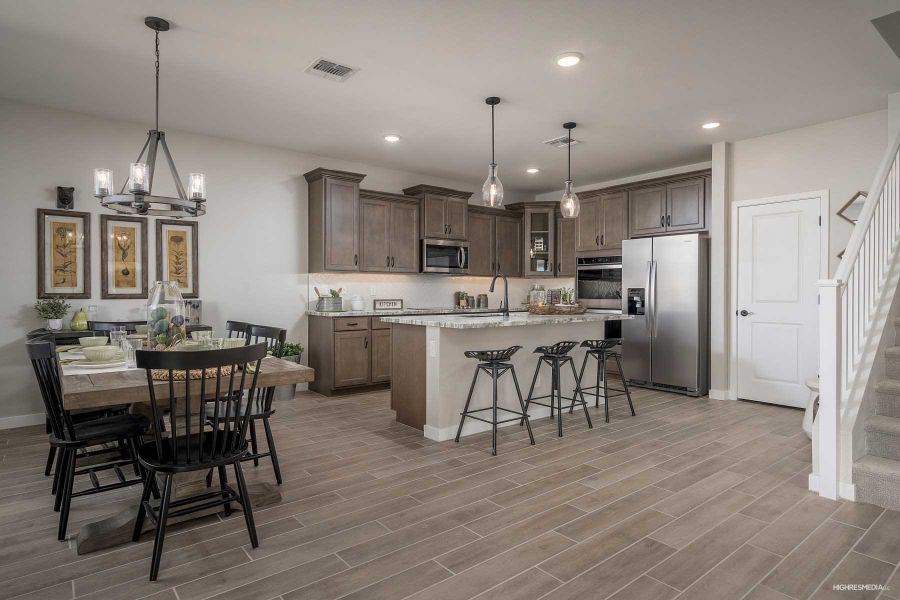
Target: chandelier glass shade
[(492, 190), (569, 205)]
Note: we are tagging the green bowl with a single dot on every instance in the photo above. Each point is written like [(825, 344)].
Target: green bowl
[(93, 340)]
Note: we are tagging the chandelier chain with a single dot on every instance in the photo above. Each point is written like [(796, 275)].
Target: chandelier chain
[(492, 134), (569, 145), (157, 80)]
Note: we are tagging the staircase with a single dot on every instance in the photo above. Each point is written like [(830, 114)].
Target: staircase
[(877, 474)]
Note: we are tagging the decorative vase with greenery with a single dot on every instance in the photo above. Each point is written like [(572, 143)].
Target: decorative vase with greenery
[(52, 309)]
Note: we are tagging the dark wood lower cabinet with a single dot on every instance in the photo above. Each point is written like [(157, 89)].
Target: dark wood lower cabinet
[(381, 355), (351, 358)]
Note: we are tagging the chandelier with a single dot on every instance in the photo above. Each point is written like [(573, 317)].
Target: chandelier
[(139, 198)]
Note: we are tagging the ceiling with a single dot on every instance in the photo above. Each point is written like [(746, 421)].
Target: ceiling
[(653, 72)]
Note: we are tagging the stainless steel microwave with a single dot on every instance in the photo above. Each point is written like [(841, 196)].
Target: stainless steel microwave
[(445, 256), (598, 282)]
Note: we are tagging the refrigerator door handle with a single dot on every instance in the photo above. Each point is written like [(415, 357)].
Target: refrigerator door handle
[(648, 306), (651, 292)]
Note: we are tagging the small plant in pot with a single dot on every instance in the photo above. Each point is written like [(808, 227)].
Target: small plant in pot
[(291, 352), (53, 310)]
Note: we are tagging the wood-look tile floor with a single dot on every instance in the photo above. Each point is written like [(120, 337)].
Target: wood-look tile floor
[(693, 498)]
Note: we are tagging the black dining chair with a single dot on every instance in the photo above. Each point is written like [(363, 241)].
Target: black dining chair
[(261, 401), (236, 329), (190, 445), (74, 438)]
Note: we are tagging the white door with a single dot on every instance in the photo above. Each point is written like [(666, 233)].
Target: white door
[(777, 327)]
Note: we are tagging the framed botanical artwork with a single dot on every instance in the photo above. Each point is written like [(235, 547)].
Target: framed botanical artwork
[(123, 257), (64, 253), (176, 255)]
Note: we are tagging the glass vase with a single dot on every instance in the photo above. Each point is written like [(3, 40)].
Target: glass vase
[(165, 317)]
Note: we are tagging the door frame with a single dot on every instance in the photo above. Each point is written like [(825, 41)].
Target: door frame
[(824, 237)]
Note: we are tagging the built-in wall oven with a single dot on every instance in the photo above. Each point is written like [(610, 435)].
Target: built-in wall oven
[(598, 283), (445, 256)]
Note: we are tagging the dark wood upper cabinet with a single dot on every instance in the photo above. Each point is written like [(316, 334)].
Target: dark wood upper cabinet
[(647, 210), (381, 355), (538, 252), (481, 245), (374, 234), (333, 220), (388, 233), (508, 245), (566, 234), (613, 220), (686, 205), (404, 236), (351, 358), (444, 211), (588, 225)]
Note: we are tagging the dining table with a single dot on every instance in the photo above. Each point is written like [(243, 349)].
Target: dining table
[(85, 387)]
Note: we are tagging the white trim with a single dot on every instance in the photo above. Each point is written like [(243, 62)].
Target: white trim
[(721, 395), (22, 421), (824, 236), (847, 491)]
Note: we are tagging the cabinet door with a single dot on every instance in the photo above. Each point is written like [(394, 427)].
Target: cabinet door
[(540, 233), (404, 235), (647, 211), (351, 358), (374, 235), (433, 221), (614, 221), (456, 213), (508, 245), (588, 225), (381, 355), (341, 225), (566, 233), (686, 210), (481, 246)]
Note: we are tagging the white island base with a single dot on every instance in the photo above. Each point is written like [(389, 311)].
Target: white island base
[(430, 375)]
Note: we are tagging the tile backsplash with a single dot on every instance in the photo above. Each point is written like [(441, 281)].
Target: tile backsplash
[(422, 291)]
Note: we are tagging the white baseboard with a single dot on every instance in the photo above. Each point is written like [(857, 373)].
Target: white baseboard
[(22, 421), (720, 394), (472, 426), (847, 491), (813, 483)]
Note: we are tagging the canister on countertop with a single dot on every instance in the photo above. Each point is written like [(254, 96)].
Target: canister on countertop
[(482, 301)]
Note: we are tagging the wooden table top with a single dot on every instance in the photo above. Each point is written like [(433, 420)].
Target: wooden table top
[(127, 386)]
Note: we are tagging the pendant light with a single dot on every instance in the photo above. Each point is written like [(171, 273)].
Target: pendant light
[(492, 190), (140, 198), (569, 205)]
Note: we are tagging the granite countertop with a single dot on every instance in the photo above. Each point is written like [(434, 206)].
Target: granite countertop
[(514, 320), (407, 311)]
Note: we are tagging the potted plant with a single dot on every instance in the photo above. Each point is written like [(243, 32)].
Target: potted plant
[(53, 310), (291, 352)]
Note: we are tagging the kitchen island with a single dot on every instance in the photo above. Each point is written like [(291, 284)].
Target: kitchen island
[(430, 376)]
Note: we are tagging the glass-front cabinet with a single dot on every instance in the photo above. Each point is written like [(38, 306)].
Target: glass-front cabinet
[(540, 241)]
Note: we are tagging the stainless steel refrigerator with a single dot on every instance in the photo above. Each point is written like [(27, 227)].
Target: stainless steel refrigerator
[(665, 288)]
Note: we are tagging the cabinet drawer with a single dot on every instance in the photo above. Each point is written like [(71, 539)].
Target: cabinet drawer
[(351, 323), (377, 323)]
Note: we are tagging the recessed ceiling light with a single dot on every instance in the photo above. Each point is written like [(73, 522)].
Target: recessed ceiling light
[(392, 137), (569, 59), (532, 170), (711, 125)]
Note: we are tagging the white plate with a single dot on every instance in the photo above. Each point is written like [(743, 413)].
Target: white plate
[(100, 364)]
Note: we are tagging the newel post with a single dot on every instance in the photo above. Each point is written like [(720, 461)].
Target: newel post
[(829, 415)]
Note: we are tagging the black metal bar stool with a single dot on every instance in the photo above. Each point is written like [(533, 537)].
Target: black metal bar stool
[(555, 356), (602, 351), (494, 363)]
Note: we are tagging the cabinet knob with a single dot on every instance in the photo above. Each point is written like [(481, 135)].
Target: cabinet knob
[(598, 240), (662, 220), (668, 220), (387, 261), (355, 259), (392, 262), (367, 343)]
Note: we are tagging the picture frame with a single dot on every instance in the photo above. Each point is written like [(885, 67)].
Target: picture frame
[(123, 257), (850, 211), (64, 254), (177, 256)]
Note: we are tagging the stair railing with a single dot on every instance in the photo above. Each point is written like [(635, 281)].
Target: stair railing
[(847, 308)]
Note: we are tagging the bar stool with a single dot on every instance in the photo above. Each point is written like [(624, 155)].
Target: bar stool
[(494, 363), (602, 351), (555, 356)]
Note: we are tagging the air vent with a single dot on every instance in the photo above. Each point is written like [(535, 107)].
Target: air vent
[(561, 142), (330, 69)]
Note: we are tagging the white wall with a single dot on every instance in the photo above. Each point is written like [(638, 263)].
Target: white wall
[(253, 253)]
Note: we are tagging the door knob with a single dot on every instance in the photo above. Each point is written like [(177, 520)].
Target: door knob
[(745, 313)]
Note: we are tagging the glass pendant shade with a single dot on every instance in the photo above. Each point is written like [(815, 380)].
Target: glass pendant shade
[(140, 178), (569, 205), (492, 190), (197, 186), (103, 182)]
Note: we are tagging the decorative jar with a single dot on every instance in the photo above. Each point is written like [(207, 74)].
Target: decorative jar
[(165, 317)]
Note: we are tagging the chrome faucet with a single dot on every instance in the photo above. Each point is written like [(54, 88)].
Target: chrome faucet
[(504, 307)]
